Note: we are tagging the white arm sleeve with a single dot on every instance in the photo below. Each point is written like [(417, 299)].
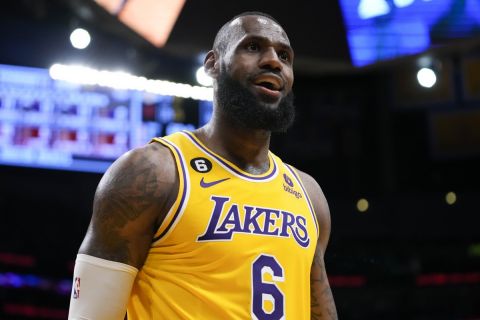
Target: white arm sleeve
[(101, 289)]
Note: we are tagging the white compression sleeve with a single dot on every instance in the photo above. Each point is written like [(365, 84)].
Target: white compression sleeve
[(101, 289)]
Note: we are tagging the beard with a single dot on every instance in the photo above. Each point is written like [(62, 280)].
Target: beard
[(245, 110)]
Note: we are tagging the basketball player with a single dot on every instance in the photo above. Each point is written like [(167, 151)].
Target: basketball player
[(210, 224)]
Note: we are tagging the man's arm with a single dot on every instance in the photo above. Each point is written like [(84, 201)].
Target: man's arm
[(321, 298), (130, 202)]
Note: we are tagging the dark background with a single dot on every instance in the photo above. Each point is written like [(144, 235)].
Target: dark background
[(362, 133)]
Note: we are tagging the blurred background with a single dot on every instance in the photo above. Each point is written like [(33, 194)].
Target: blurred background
[(388, 100)]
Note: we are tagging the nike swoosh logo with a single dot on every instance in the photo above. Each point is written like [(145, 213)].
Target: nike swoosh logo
[(204, 184)]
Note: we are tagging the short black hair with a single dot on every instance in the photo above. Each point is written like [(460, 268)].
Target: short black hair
[(224, 34)]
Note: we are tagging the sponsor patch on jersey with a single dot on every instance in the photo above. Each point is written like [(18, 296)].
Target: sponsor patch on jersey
[(76, 288), (288, 180), (228, 219), (288, 186)]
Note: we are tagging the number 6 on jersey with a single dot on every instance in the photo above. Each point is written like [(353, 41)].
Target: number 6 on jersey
[(268, 301)]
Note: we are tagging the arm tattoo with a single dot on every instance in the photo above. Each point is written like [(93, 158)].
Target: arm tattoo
[(128, 195), (322, 303), (122, 200)]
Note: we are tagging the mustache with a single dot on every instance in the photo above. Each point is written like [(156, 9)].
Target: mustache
[(276, 73)]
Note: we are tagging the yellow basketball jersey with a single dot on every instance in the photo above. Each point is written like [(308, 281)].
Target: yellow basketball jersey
[(233, 246)]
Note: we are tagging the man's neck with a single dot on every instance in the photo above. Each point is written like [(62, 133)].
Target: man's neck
[(246, 148)]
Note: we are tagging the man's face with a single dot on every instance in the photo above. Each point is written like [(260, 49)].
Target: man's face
[(254, 85)]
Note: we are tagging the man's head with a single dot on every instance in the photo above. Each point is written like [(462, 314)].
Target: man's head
[(252, 67)]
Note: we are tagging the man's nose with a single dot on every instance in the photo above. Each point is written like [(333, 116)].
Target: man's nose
[(270, 60)]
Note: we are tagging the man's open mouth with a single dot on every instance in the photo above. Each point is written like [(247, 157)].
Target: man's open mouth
[(269, 82)]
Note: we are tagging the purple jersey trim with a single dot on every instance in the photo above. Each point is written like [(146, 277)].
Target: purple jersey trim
[(306, 196), (236, 171), (184, 191)]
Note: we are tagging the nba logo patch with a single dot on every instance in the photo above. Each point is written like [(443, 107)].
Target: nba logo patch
[(76, 288)]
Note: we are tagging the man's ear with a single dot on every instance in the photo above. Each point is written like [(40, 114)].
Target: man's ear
[(211, 64)]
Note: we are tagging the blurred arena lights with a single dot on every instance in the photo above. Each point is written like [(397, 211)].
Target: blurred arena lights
[(124, 81), (19, 260), (80, 38), (38, 282), (362, 205), (451, 198), (31, 311), (403, 3), (442, 279), (372, 8), (426, 77), (474, 250), (203, 78), (345, 281)]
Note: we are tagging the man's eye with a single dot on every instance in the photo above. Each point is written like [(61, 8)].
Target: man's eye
[(284, 56), (252, 46)]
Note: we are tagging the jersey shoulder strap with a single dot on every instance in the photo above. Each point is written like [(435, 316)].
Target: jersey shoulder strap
[(172, 143)]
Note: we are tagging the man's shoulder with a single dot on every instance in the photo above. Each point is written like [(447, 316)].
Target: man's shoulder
[(315, 193), (153, 159), (308, 181), (151, 152)]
